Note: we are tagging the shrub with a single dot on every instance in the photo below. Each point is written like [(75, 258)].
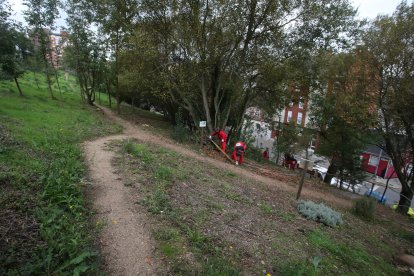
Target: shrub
[(180, 133), (364, 208), (320, 213)]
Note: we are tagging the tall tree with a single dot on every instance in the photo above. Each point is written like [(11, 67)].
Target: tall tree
[(84, 53), (13, 48), (214, 54), (344, 109), (390, 39), (116, 18), (40, 16)]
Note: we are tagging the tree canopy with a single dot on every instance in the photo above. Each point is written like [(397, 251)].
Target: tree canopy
[(390, 39)]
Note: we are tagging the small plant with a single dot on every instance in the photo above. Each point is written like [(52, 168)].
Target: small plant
[(159, 202), (163, 173), (364, 208), (288, 217), (167, 234), (315, 261), (138, 150), (320, 213), (266, 208)]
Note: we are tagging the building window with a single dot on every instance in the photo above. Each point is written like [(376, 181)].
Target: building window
[(373, 160), (301, 104), (289, 116), (299, 120)]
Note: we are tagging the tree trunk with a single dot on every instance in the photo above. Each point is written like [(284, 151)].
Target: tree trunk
[(117, 92), (206, 105), (406, 196), (330, 173), (35, 77), (18, 87), (49, 82), (57, 81), (108, 90)]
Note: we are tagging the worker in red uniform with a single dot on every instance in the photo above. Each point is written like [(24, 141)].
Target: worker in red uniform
[(266, 154), (222, 136), (238, 152)]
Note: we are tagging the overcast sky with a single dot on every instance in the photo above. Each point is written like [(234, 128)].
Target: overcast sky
[(366, 8)]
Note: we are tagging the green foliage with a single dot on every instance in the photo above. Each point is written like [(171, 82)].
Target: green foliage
[(158, 202), (138, 150), (50, 181), (389, 40), (217, 266), (287, 140), (180, 133), (163, 173), (167, 234), (298, 268), (355, 259), (364, 208), (266, 208), (320, 213)]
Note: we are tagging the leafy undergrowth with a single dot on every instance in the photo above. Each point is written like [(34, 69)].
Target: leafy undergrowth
[(44, 225), (213, 222)]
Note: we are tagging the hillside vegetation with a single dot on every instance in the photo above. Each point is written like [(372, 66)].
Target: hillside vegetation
[(44, 220)]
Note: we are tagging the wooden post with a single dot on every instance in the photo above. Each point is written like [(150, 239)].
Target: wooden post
[(202, 125), (202, 137), (302, 178)]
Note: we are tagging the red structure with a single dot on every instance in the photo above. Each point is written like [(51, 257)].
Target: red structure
[(376, 161)]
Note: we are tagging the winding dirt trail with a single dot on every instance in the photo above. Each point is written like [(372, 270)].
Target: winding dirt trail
[(126, 244)]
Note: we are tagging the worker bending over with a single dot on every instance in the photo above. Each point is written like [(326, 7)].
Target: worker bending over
[(238, 152), (222, 136)]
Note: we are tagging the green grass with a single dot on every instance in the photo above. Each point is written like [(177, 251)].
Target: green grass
[(230, 225), (41, 170), (336, 257), (178, 239), (266, 208), (350, 257)]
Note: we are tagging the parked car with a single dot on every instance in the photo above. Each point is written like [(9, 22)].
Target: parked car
[(321, 172)]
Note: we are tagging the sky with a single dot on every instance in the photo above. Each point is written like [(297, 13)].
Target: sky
[(371, 8), (366, 9)]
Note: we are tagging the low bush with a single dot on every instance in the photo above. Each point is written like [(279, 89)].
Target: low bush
[(364, 208), (320, 213), (180, 133)]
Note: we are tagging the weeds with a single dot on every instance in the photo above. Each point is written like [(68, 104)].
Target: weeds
[(352, 257), (364, 208), (266, 208), (47, 173)]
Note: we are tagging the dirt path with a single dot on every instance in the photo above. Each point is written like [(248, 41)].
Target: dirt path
[(140, 133), (126, 243)]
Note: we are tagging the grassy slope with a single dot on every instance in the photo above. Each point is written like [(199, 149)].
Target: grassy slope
[(212, 222), (43, 217)]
